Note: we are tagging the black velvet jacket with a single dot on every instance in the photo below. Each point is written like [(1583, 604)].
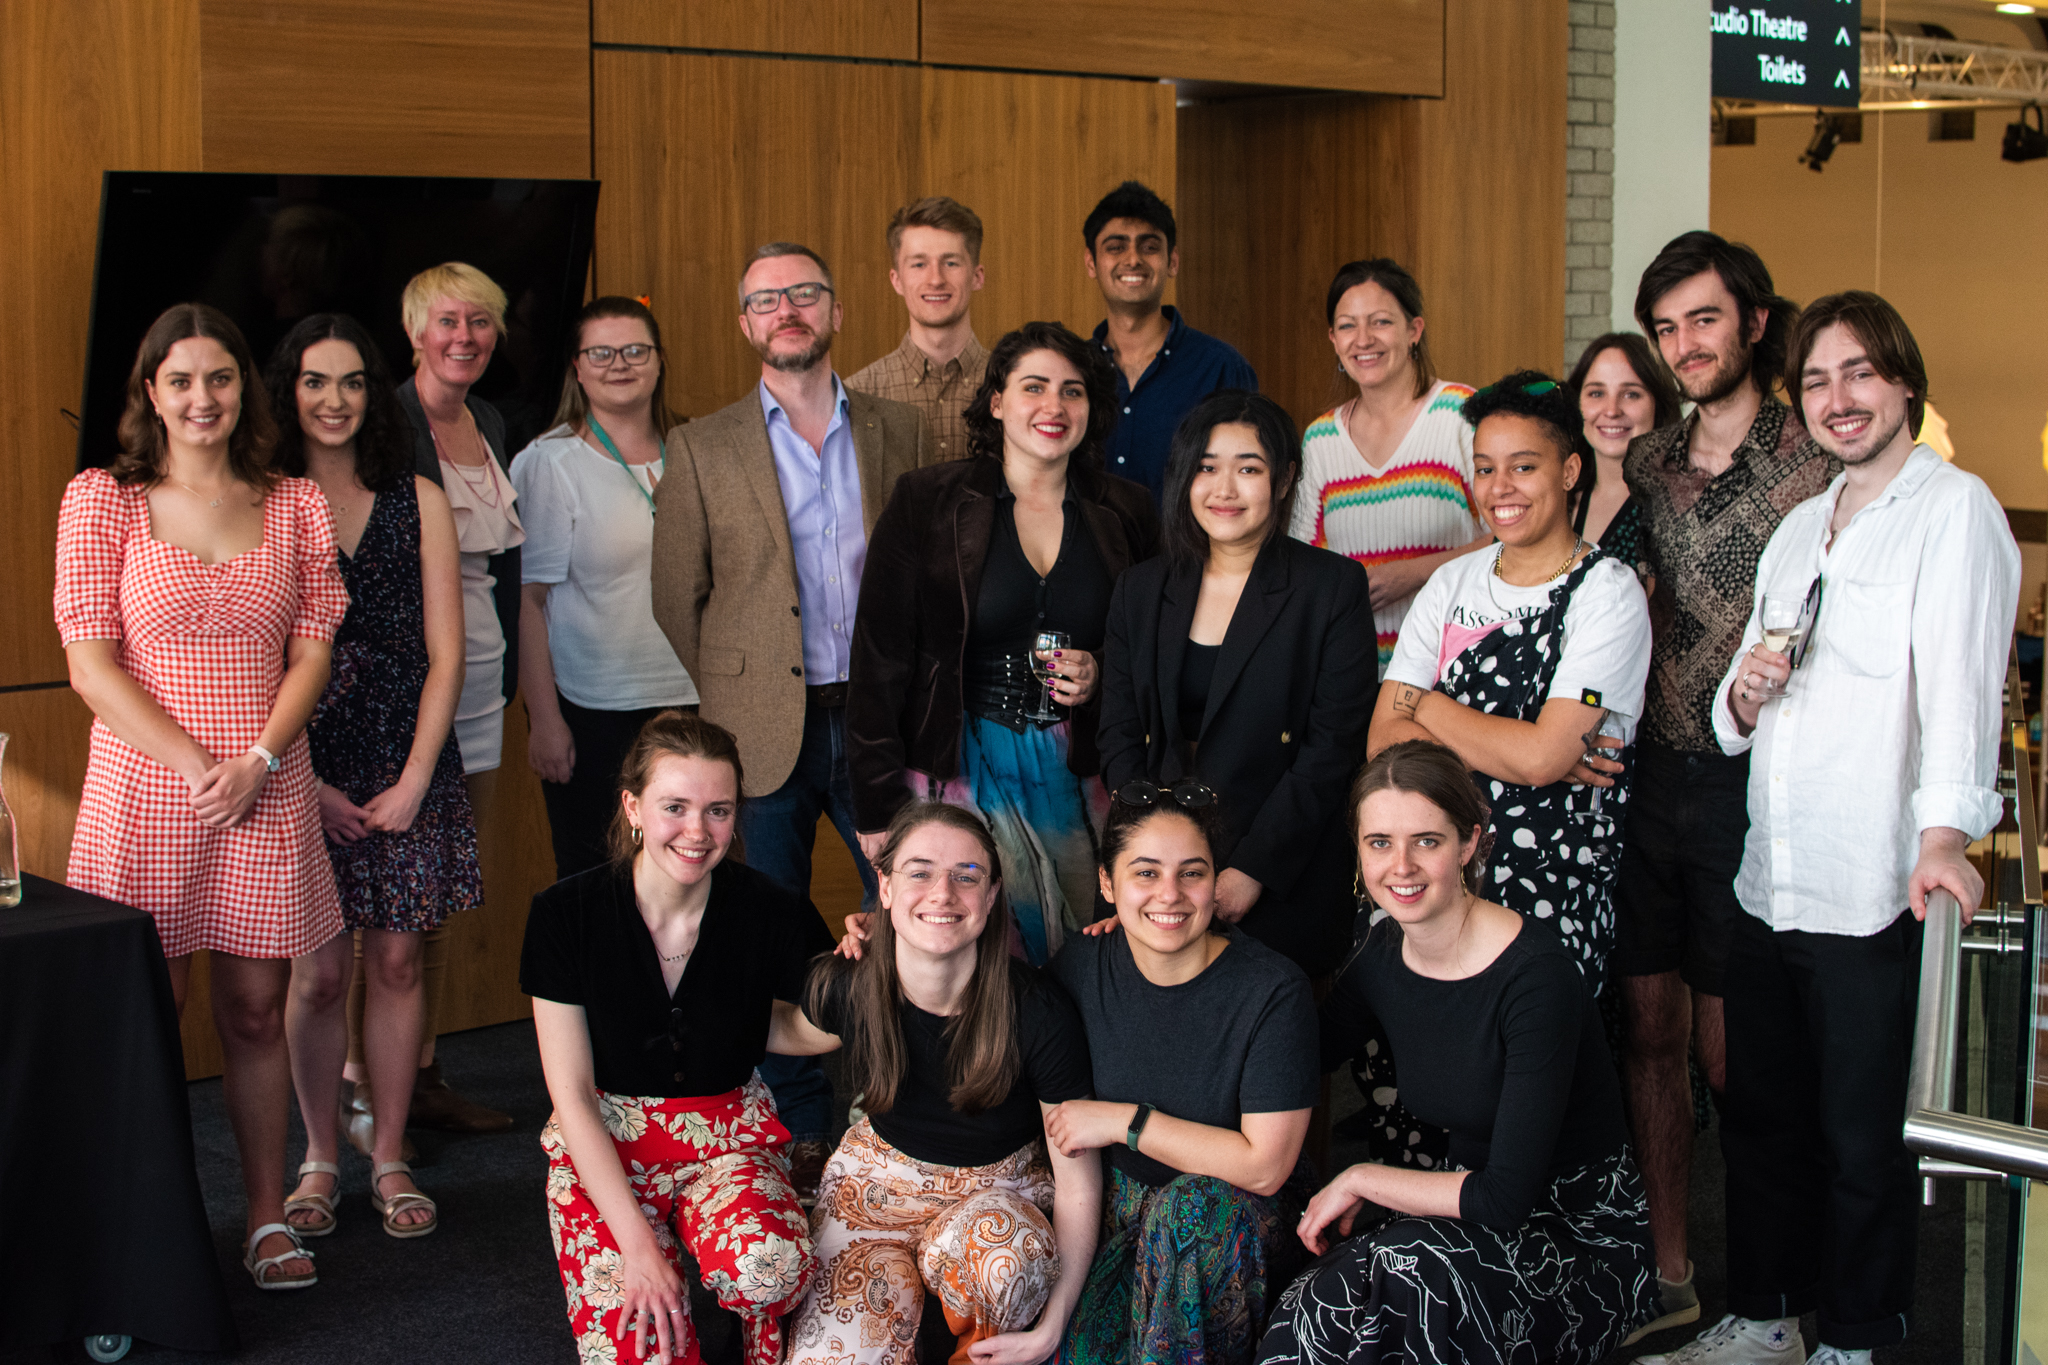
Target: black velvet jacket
[(1282, 735), (917, 596)]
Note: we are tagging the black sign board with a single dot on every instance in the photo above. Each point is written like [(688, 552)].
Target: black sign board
[(1788, 51)]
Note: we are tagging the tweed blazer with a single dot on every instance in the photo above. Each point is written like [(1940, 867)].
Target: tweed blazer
[(724, 572)]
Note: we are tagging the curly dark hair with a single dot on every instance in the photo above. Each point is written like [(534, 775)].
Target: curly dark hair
[(1535, 395), (985, 430), (384, 456), (144, 444), (1134, 200)]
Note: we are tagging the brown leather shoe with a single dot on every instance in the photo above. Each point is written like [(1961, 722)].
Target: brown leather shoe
[(436, 1105), (806, 1168), (359, 1126)]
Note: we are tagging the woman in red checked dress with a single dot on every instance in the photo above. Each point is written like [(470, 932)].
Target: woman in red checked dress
[(197, 597)]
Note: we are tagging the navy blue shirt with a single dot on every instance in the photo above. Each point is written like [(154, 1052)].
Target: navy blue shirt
[(1189, 367)]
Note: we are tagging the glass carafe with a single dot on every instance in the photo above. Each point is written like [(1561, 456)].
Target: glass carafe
[(10, 846)]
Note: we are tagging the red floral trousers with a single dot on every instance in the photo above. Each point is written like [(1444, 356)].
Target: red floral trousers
[(709, 1173)]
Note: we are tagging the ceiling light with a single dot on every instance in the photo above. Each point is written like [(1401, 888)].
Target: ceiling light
[(2015, 9)]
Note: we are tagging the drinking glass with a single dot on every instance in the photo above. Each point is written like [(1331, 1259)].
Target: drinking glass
[(1610, 727), (10, 846), (1045, 670), (1782, 632)]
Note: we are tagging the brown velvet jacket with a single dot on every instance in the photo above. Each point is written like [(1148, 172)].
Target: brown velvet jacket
[(917, 596)]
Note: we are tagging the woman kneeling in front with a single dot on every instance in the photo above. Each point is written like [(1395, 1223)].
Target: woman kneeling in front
[(960, 1052), (1203, 1043), (653, 978), (1533, 1242)]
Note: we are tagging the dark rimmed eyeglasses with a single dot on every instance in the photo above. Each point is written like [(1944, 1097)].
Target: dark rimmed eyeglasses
[(802, 295), (602, 356), (1186, 793)]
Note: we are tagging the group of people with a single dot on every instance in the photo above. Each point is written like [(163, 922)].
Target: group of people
[(1186, 757)]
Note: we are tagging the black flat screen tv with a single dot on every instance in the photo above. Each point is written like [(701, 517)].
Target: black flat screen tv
[(270, 249)]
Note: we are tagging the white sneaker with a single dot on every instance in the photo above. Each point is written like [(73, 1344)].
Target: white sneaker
[(1740, 1341), (1835, 1355)]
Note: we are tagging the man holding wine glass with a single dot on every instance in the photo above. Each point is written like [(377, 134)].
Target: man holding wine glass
[(1873, 733)]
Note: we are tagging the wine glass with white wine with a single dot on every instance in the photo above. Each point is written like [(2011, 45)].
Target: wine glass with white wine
[(1783, 630), (1046, 670)]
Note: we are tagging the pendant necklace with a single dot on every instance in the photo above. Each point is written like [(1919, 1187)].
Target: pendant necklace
[(215, 502)]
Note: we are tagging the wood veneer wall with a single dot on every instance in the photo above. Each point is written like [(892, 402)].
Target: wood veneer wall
[(1468, 192)]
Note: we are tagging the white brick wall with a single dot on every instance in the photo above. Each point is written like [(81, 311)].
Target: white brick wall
[(1589, 176)]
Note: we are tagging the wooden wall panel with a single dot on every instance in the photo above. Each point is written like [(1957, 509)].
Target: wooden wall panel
[(825, 28), (85, 87), (44, 771), (1467, 191), (1393, 47), (1031, 155), (397, 87)]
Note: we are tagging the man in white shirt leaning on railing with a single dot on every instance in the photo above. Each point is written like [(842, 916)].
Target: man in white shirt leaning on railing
[(1875, 765)]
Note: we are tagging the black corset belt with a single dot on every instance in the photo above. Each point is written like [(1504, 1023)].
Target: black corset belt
[(1000, 688)]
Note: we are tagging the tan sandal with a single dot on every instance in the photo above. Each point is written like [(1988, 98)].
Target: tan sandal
[(259, 1266), (400, 1203), (322, 1204)]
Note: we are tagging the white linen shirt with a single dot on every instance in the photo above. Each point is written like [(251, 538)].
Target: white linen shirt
[(1892, 724), (590, 537)]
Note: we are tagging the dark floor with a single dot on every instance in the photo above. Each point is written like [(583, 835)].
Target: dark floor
[(483, 1288)]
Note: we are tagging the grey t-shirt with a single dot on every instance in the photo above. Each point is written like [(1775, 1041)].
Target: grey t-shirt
[(1238, 1039)]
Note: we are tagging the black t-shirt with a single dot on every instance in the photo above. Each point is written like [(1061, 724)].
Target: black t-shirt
[(924, 1125), (1013, 604), (587, 945), (1238, 1039), (1512, 1060)]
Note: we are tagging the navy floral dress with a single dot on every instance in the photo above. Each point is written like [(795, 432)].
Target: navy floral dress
[(1555, 848), (362, 732)]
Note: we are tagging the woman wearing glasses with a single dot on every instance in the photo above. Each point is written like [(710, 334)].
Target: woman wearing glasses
[(1202, 1043), (944, 1185), (1244, 656), (654, 980), (970, 566), (1529, 663), (592, 663)]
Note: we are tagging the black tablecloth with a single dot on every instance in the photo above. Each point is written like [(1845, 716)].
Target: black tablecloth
[(102, 1228)]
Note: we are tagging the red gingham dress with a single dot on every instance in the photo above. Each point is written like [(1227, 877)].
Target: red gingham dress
[(208, 642)]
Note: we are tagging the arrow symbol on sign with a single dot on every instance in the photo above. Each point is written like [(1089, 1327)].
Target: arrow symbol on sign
[(1842, 37), (1842, 80)]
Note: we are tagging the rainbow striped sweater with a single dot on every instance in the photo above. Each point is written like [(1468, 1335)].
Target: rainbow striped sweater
[(1418, 504)]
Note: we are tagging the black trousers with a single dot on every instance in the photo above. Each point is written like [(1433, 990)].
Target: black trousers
[(580, 810), (1823, 1197)]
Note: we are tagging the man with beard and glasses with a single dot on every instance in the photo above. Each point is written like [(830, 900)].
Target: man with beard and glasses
[(1874, 764), (1163, 366), (760, 534), (1712, 487)]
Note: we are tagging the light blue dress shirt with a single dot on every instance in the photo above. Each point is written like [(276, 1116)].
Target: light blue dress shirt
[(821, 495)]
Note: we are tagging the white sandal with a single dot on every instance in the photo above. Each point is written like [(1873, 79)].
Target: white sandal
[(257, 1265), (322, 1204), (399, 1203)]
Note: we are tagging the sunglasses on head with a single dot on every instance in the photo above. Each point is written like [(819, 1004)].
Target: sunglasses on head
[(1186, 793)]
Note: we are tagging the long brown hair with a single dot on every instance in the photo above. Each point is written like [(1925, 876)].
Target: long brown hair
[(1438, 776), (981, 1048), (674, 734), (144, 442), (574, 408)]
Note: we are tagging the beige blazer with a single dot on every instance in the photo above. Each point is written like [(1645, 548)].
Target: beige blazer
[(725, 576)]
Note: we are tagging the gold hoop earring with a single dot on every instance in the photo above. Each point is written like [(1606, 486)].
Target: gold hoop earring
[(636, 836)]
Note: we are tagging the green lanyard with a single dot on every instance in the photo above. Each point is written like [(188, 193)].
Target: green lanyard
[(599, 432)]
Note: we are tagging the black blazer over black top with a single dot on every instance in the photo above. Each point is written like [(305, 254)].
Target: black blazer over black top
[(917, 598), (1282, 736), (504, 567)]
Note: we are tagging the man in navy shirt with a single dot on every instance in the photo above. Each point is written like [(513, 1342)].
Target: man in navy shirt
[(1164, 367)]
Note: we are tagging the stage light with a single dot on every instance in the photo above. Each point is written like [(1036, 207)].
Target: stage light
[(2015, 9), (1821, 146), (2026, 141)]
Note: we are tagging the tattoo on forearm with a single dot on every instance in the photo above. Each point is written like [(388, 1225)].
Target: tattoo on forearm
[(1407, 697)]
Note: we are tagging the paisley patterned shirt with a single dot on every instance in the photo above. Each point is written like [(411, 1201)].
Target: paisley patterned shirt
[(1704, 536)]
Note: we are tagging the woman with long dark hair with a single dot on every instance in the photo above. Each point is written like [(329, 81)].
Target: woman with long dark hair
[(593, 664), (654, 980), (197, 598), (392, 801), (1245, 657), (1532, 1242), (1621, 392), (1386, 475), (968, 564), (960, 1052)]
